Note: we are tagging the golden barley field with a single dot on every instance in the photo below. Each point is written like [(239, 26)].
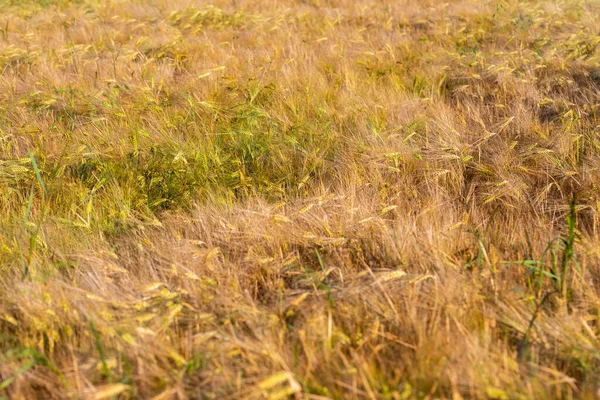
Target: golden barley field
[(299, 199)]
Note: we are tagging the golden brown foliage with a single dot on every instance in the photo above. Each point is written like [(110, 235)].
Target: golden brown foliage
[(299, 199)]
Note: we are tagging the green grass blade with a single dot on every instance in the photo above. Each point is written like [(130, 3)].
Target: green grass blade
[(38, 175)]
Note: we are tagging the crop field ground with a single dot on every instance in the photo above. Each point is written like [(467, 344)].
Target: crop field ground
[(299, 199)]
